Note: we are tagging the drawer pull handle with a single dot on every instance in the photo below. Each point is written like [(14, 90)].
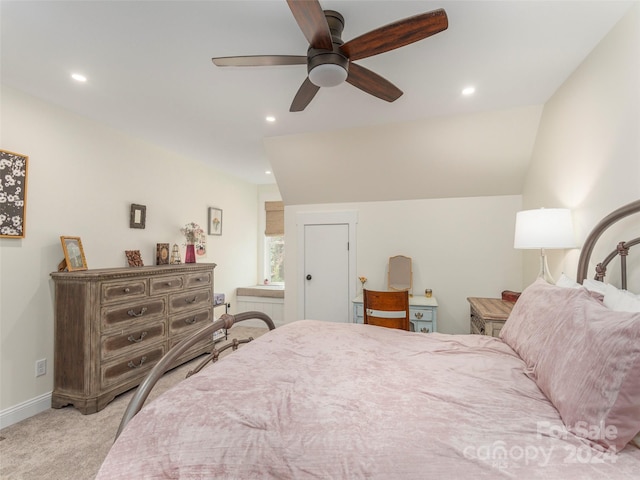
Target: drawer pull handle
[(137, 340), (191, 321), (418, 315), (424, 330), (168, 284), (127, 290), (192, 300), (133, 365), (131, 313)]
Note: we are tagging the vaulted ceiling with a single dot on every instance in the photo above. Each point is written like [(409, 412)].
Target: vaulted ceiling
[(149, 71)]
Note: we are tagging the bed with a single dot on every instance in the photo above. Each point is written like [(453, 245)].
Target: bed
[(556, 397)]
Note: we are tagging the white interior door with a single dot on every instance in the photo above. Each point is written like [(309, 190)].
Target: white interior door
[(326, 272)]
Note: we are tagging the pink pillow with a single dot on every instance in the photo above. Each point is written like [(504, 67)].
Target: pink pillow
[(584, 357), (534, 316), (590, 373)]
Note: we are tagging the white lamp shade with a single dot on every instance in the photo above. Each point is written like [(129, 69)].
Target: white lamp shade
[(544, 228)]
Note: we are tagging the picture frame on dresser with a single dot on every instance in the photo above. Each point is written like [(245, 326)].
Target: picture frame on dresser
[(74, 259), (162, 254)]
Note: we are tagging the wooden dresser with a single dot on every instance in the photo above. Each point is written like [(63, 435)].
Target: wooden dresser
[(112, 325), (488, 315)]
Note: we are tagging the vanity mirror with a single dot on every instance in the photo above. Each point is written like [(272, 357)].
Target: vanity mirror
[(400, 273)]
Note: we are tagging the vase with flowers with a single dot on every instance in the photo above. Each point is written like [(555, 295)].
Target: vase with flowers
[(363, 280), (192, 233)]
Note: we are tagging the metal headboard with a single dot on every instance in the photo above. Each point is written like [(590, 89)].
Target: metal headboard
[(622, 249)]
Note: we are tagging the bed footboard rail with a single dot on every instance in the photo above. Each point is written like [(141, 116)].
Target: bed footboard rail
[(167, 362)]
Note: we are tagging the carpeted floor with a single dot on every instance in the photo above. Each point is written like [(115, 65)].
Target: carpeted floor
[(63, 444)]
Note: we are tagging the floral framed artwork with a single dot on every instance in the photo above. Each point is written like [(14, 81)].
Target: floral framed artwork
[(13, 194), (73, 254), (215, 221)]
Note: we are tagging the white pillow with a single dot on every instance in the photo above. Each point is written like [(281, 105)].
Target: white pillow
[(621, 300), (594, 286), (566, 282)]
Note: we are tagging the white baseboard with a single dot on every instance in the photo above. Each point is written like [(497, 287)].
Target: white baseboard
[(25, 410)]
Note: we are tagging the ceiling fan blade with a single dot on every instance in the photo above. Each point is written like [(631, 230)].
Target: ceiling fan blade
[(260, 60), (372, 83), (312, 22), (305, 94), (397, 34)]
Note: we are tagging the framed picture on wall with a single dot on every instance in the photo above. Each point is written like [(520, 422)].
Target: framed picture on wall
[(73, 254), (13, 185), (137, 216), (215, 221)]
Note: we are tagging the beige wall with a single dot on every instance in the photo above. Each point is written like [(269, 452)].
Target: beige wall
[(587, 154), (83, 177), (460, 247)]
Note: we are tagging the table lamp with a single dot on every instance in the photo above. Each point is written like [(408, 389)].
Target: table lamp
[(544, 228)]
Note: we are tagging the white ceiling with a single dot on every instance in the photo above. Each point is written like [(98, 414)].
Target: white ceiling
[(150, 73)]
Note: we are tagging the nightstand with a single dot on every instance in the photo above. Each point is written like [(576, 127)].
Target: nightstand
[(488, 315), (423, 313)]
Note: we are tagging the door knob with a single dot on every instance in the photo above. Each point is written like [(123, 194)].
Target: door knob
[(309, 277)]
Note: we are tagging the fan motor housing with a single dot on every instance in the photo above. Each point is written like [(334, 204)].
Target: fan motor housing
[(317, 56)]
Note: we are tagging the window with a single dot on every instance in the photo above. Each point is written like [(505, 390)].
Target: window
[(275, 259), (274, 242)]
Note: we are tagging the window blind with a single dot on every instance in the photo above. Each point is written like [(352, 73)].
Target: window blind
[(275, 218)]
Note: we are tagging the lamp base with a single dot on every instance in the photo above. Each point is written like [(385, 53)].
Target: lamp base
[(544, 269)]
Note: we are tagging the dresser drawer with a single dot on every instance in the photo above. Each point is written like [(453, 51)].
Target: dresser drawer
[(131, 366), (188, 322), (166, 284), (422, 327), (193, 300), (205, 345), (421, 314), (120, 291), (128, 315), (126, 341), (195, 280)]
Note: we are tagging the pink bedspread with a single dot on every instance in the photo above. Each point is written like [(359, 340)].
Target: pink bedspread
[(344, 401)]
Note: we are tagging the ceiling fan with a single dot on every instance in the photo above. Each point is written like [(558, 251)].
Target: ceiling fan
[(329, 60)]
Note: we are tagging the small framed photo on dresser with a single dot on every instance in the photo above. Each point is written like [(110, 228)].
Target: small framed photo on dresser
[(73, 254), (162, 254)]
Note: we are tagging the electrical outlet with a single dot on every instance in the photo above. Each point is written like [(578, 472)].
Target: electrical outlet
[(41, 367)]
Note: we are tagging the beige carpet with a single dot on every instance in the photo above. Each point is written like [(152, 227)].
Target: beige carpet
[(63, 444)]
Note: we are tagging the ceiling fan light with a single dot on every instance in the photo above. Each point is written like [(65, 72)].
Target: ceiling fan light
[(327, 75)]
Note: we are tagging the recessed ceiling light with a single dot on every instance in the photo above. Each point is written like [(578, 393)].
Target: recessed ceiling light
[(78, 77), (468, 90), (268, 172), (270, 119)]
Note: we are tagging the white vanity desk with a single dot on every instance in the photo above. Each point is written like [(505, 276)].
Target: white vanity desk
[(422, 313)]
